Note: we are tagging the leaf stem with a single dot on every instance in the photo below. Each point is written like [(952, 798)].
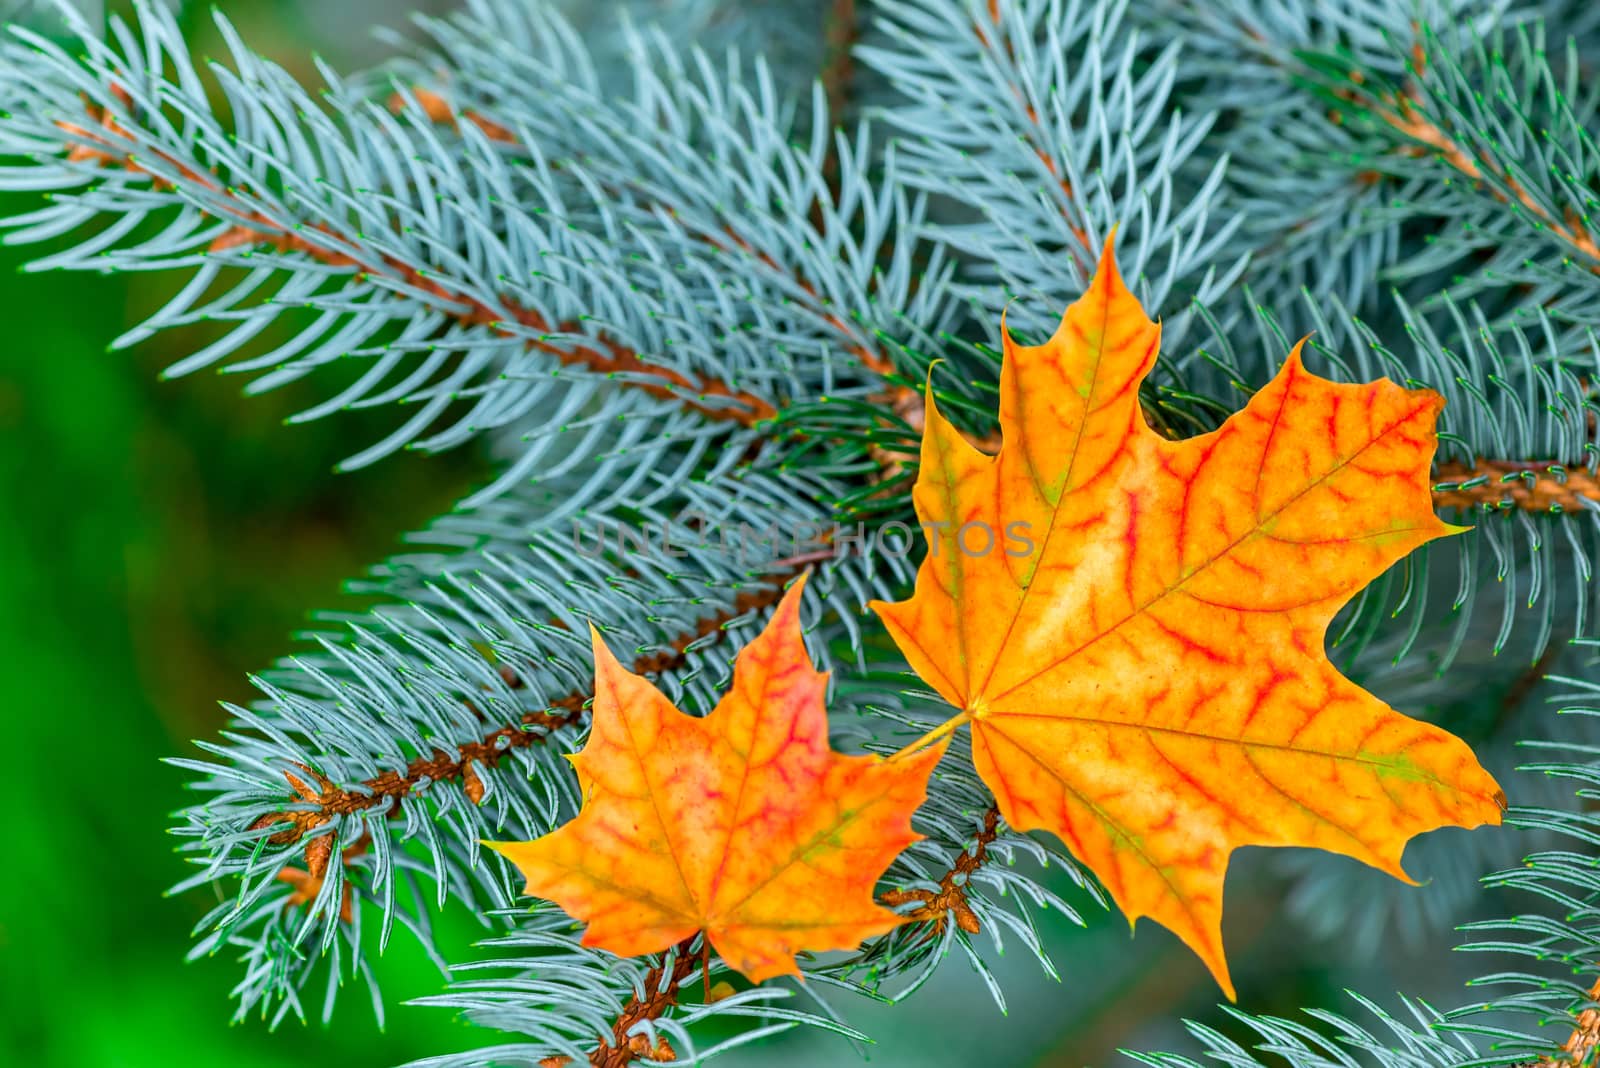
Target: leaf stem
[(949, 726)]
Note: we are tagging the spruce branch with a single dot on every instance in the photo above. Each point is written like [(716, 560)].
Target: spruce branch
[(871, 352), (331, 800), (658, 993), (108, 146), (1405, 110), (1493, 146), (898, 397), (1042, 125), (858, 270), (617, 245)]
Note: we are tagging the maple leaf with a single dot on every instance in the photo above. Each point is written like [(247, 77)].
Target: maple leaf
[(744, 824), (1142, 659)]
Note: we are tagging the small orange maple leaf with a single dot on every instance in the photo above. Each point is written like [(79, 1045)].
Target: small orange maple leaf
[(744, 824), (1134, 627)]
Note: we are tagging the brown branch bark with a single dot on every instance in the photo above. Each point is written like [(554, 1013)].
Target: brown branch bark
[(1531, 487), (438, 110), (937, 906), (307, 881), (623, 1048), (1580, 1046), (709, 397), (841, 28)]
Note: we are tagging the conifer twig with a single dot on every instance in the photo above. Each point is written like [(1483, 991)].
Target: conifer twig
[(842, 34), (660, 994), (937, 906), (1038, 139), (332, 800), (842, 30), (1403, 112), (706, 396)]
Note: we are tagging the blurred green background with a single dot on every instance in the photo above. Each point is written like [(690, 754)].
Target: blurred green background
[(161, 540), (157, 542)]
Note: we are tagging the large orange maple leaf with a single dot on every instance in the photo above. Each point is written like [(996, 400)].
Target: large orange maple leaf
[(1134, 627), (744, 824)]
